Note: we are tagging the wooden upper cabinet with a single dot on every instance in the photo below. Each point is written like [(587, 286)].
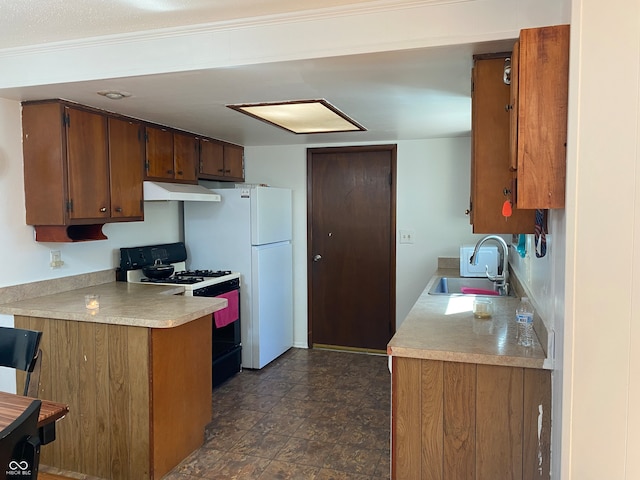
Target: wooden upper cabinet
[(126, 158), (540, 96), (81, 169), (66, 166), (221, 161), (185, 157), (491, 177), (84, 167), (171, 155), (159, 153)]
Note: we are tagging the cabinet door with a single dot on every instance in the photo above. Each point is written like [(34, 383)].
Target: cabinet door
[(159, 161), (88, 165), (211, 158), (234, 162), (543, 76), (185, 157), (499, 422), (126, 158), (45, 164), (490, 172)]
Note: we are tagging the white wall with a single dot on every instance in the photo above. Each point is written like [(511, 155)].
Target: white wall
[(432, 195), (601, 419)]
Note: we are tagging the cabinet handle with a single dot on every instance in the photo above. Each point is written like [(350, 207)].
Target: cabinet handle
[(467, 211), (221, 170), (227, 171), (118, 210), (508, 107), (179, 172), (103, 209), (170, 172)]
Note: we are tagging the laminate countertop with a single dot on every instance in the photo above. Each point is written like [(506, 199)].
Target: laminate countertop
[(442, 327), (121, 303)]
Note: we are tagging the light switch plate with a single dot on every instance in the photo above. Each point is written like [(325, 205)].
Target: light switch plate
[(407, 236)]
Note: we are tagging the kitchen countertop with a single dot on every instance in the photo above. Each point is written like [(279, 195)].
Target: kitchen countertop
[(442, 327), (121, 303)]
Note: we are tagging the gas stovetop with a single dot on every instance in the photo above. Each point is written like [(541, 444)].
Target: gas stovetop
[(132, 260), (189, 277)]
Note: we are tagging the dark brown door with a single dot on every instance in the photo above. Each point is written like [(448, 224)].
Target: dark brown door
[(351, 246)]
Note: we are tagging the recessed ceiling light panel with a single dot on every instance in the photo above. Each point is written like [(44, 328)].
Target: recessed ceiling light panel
[(301, 116)]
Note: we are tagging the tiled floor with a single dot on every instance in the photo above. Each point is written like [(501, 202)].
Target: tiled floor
[(309, 415)]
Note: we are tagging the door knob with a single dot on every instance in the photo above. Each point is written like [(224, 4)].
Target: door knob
[(317, 258)]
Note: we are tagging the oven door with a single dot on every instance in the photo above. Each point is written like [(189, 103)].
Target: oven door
[(227, 342)]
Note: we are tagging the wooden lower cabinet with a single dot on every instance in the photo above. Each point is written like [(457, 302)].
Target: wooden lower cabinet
[(465, 421), (139, 398)]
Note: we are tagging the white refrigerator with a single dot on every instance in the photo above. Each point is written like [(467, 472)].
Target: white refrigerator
[(249, 232)]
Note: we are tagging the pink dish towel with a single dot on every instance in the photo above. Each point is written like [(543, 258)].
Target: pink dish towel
[(231, 313), (477, 291)]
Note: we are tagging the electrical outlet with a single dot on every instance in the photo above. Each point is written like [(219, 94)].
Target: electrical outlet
[(55, 259), (407, 236)]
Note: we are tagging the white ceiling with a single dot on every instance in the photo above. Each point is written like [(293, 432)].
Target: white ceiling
[(398, 95)]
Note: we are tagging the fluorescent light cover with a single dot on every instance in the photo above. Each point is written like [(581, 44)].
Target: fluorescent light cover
[(301, 116)]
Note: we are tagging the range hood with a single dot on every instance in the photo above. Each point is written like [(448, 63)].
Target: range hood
[(161, 191)]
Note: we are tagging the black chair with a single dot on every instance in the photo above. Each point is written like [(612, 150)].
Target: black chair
[(20, 445), (19, 349)]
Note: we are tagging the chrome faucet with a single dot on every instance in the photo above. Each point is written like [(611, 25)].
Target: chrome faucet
[(502, 278)]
